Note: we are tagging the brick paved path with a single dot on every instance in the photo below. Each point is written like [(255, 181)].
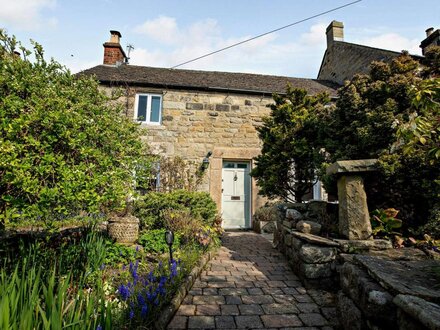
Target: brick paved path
[(250, 285)]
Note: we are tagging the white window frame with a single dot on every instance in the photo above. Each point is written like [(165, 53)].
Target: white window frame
[(148, 112)]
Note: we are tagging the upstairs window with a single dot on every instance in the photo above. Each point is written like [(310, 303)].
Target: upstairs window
[(148, 108)]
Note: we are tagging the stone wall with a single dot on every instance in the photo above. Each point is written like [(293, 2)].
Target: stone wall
[(194, 123), (377, 287)]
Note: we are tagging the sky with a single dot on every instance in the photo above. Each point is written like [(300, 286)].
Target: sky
[(168, 32)]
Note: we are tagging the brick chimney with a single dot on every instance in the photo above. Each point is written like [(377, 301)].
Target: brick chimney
[(432, 39), (334, 32), (113, 52)]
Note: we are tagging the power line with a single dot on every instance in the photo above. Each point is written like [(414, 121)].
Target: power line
[(266, 33)]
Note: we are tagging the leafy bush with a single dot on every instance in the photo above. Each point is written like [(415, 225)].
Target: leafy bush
[(384, 222), (153, 241), (64, 147), (149, 208)]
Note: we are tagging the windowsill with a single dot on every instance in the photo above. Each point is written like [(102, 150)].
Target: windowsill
[(153, 126)]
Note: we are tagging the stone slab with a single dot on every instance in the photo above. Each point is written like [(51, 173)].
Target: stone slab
[(314, 239), (350, 166), (355, 246), (425, 312), (312, 254), (416, 278)]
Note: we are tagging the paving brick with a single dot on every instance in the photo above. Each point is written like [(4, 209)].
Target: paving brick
[(233, 300), (278, 321), (186, 310), (201, 322), (255, 291), (229, 310), (224, 322), (308, 307), (280, 309), (313, 319), (208, 300), (247, 322), (250, 309), (260, 299), (208, 310), (178, 322)]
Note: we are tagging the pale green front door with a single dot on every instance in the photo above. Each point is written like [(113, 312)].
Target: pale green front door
[(236, 188)]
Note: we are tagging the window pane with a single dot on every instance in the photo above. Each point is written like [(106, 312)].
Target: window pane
[(241, 165), (155, 109), (228, 165), (142, 108)]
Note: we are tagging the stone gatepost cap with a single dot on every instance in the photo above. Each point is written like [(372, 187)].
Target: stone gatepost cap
[(352, 166)]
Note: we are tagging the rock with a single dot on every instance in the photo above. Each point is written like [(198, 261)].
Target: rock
[(313, 254), (374, 301), (288, 224), (288, 240), (308, 227), (318, 240), (267, 227), (296, 243), (350, 166), (293, 215), (359, 246), (354, 219), (350, 315), (421, 310), (316, 270)]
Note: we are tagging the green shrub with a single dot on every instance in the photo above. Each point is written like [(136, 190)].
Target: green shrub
[(153, 241), (149, 208)]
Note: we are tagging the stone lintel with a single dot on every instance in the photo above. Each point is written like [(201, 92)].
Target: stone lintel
[(352, 166), (313, 239)]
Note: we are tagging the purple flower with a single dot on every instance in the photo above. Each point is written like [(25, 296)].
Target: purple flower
[(131, 315), (99, 327), (124, 291), (102, 267), (137, 248), (144, 310), (141, 299)]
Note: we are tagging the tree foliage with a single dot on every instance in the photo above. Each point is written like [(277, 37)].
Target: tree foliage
[(64, 149), (391, 114), (286, 166)]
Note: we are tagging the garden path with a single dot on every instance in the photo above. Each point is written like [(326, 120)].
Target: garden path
[(249, 284)]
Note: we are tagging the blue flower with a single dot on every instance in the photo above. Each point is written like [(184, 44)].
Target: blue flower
[(131, 315), (141, 299), (99, 327), (124, 291), (144, 310), (102, 267)]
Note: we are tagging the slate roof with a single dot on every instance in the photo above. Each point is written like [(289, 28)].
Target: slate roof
[(343, 60), (245, 83)]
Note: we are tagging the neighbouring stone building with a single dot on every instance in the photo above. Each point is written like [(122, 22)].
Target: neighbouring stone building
[(342, 60), (192, 113)]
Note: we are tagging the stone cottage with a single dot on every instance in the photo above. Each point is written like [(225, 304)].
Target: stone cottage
[(213, 116), (203, 114)]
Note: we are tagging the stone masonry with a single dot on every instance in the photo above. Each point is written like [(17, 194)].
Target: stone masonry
[(249, 285), (194, 123)]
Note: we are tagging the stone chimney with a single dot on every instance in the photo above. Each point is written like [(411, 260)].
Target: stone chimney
[(113, 52), (432, 39), (335, 32)]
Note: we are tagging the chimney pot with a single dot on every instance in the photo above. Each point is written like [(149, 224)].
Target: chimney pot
[(335, 32), (115, 36), (429, 31)]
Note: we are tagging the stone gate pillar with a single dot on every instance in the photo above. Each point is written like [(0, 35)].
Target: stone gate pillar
[(354, 219)]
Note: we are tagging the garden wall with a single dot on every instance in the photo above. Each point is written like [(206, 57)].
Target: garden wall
[(377, 287)]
